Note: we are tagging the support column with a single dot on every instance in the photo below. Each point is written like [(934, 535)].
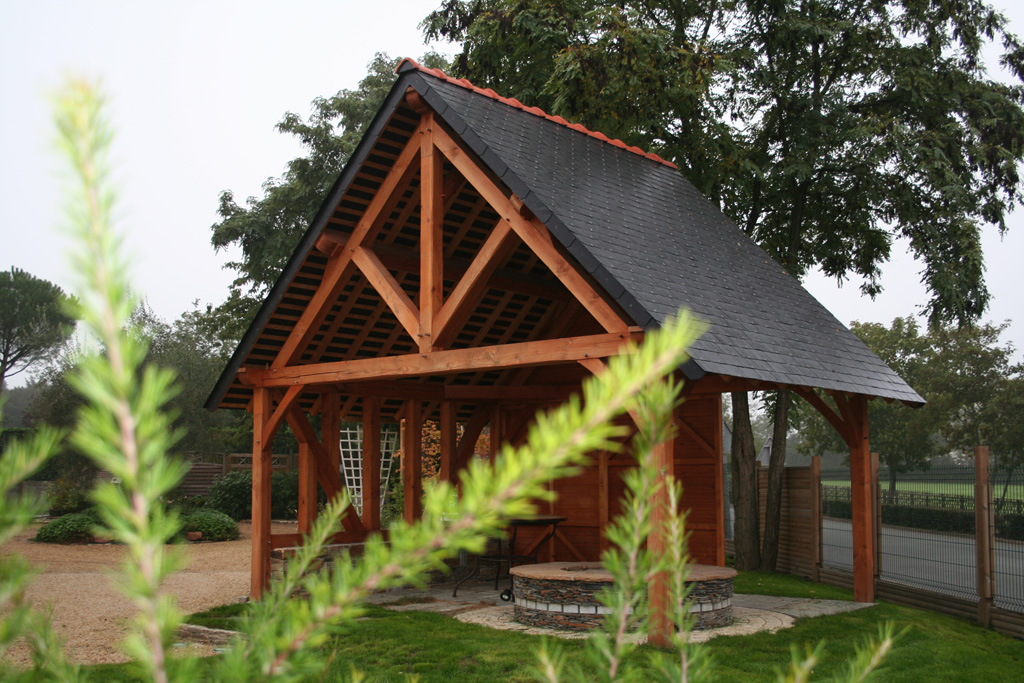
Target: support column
[(307, 488), (261, 467), (661, 625), (412, 461), (330, 428), (371, 463), (498, 436), (862, 502), (449, 434)]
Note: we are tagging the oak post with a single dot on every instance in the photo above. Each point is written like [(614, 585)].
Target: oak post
[(307, 488), (815, 495), (983, 532), (498, 435), (603, 513), (330, 428), (861, 501), (876, 514), (371, 463), (431, 233), (261, 467), (412, 461), (661, 623), (449, 434)]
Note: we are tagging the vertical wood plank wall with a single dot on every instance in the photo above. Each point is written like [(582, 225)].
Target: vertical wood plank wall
[(696, 466)]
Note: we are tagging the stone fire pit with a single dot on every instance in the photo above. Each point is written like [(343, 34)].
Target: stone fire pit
[(564, 595)]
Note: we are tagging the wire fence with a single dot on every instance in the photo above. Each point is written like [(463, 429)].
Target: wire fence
[(927, 537)]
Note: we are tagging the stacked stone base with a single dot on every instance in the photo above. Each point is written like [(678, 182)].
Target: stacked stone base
[(563, 595)]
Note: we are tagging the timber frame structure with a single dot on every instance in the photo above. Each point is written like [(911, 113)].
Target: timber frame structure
[(474, 262)]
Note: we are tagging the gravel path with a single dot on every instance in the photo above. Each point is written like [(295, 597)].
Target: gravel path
[(91, 614)]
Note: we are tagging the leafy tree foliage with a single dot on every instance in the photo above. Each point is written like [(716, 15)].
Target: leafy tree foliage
[(34, 321), (905, 438), (824, 128), (974, 397), (267, 228)]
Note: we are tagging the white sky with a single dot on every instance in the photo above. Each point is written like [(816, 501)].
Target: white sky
[(197, 88)]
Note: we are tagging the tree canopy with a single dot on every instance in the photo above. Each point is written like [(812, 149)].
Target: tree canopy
[(267, 228), (34, 321), (825, 128), (974, 395)]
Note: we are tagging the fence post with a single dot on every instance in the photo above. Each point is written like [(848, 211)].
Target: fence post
[(876, 511), (983, 532), (815, 518), (227, 464)]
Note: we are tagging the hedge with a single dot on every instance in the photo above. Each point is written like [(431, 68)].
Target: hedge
[(232, 495), (1008, 526)]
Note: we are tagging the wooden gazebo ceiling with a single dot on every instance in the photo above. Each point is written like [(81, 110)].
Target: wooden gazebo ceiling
[(523, 300)]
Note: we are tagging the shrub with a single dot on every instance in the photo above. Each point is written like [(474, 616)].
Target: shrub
[(232, 495), (186, 505), (214, 525), (74, 528)]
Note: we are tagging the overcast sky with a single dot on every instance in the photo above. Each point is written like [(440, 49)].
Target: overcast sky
[(197, 88)]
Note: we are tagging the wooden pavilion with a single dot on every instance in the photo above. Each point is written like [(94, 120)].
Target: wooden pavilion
[(474, 262)]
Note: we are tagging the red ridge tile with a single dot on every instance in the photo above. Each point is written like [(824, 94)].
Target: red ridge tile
[(512, 102)]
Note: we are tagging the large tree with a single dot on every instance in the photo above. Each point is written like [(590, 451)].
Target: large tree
[(34, 321), (825, 129), (267, 228), (905, 438)]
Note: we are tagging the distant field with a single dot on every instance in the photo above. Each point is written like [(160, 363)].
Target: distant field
[(1014, 492)]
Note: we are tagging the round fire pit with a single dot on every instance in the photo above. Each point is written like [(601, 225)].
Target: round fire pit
[(564, 595)]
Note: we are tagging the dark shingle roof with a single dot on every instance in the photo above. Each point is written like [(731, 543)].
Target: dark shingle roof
[(655, 244), (631, 220)]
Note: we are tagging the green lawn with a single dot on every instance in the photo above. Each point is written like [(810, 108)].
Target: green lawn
[(387, 645)]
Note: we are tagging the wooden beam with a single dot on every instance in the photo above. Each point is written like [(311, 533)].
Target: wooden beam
[(498, 436), (405, 260), (371, 463), (330, 427), (862, 502), (693, 434), (389, 290), (277, 417), (544, 352), (717, 384), (719, 486), (603, 513), (826, 411), (261, 470), (307, 489), (515, 394), (532, 232), (296, 540), (387, 196), (412, 461), (449, 434), (431, 234), (471, 287), (327, 474), (470, 435), (661, 626)]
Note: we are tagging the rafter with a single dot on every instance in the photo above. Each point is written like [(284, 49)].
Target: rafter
[(471, 286), (389, 290), (388, 194), (532, 232), (544, 352)]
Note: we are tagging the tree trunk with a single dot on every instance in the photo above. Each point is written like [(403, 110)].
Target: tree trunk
[(744, 476), (776, 471)]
